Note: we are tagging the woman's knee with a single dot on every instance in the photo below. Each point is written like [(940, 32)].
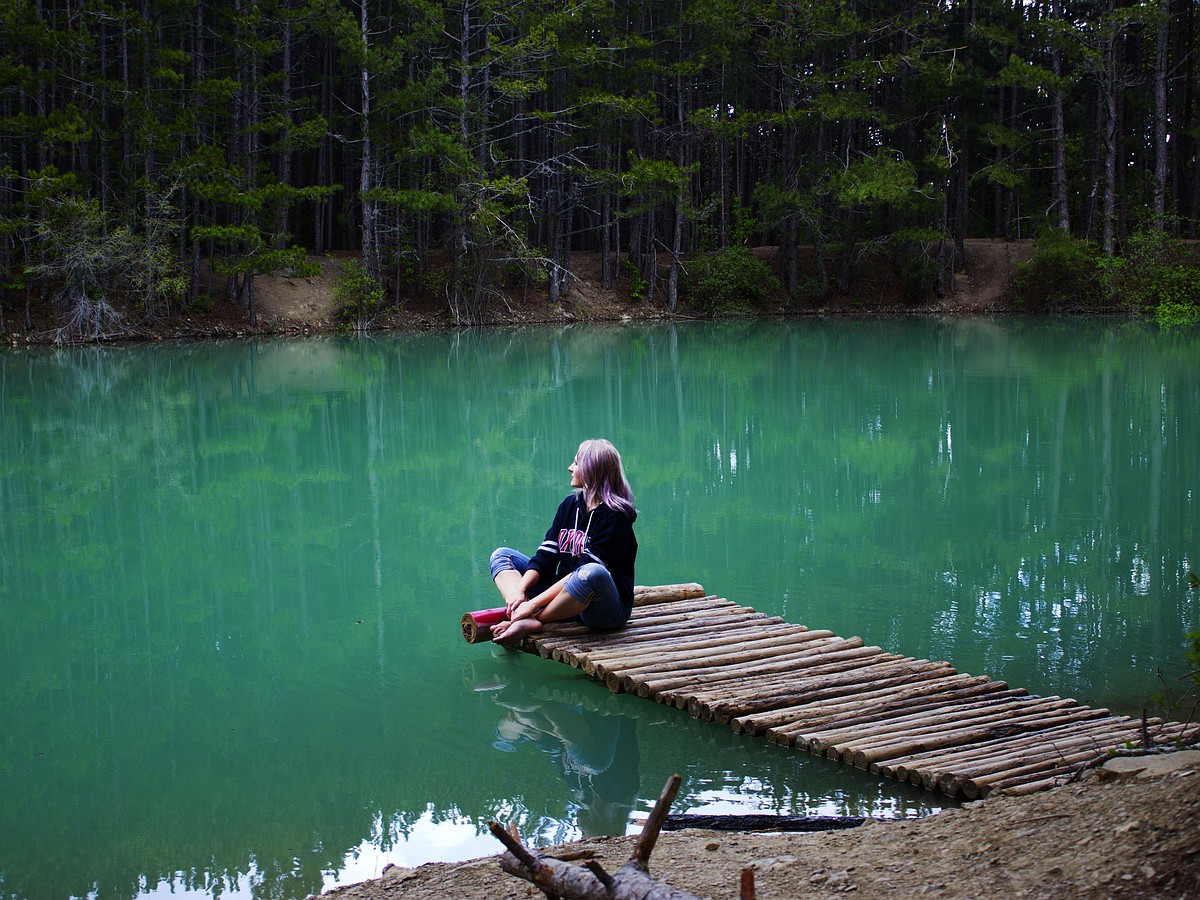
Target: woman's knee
[(587, 580), (591, 571), (506, 559)]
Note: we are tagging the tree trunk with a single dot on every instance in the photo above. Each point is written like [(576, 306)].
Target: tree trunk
[(676, 248), (1060, 216), (1160, 119), (282, 222), (1109, 80), (365, 183)]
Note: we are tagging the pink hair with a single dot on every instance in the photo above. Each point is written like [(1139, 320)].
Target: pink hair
[(603, 476)]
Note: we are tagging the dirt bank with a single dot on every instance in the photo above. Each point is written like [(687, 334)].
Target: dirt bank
[(291, 305), (1113, 834)]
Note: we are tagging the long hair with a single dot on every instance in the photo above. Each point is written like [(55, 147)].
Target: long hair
[(603, 476)]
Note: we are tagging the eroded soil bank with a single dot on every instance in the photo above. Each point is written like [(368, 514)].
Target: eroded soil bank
[(1113, 834), (293, 305)]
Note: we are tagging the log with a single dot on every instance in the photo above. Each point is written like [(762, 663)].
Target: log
[(476, 626), (579, 637), (732, 654), (557, 642), (1090, 735), (645, 595), (851, 684), (971, 776), (860, 711), (974, 727), (632, 881), (974, 786), (862, 755), (901, 768), (688, 647), (763, 695), (831, 659), (645, 637), (761, 822), (639, 634), (988, 749), (937, 696), (1032, 787), (931, 721), (777, 664), (790, 671), (771, 691)]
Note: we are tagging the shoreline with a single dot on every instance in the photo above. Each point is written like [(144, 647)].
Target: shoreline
[(1127, 829), (296, 306)]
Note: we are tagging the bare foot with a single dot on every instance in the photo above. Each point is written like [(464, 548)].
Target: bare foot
[(516, 628)]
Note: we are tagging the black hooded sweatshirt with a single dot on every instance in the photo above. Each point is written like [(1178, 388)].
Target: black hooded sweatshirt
[(577, 536)]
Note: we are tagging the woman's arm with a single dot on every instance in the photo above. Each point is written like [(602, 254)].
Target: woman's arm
[(528, 580), (535, 605)]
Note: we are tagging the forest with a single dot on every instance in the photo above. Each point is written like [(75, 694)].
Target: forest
[(463, 148)]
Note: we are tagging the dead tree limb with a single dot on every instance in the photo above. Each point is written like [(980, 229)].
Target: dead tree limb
[(760, 822), (557, 879)]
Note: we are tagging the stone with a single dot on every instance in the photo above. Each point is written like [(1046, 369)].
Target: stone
[(1153, 764)]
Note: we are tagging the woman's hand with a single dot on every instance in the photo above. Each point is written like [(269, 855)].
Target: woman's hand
[(512, 603), (525, 610)]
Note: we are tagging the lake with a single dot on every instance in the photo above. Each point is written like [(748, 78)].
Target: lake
[(232, 573)]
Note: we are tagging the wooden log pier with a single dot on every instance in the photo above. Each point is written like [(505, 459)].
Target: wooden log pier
[(913, 720)]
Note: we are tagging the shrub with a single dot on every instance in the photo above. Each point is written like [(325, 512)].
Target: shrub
[(639, 285), (358, 297), (1063, 274), (1161, 278), (732, 280), (1171, 315), (95, 266), (915, 256)]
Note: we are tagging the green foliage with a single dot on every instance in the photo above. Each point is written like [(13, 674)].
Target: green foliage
[(732, 280), (92, 266), (358, 297), (639, 285), (882, 178), (1065, 274), (1193, 653), (916, 257), (1171, 315), (481, 123), (1159, 275)]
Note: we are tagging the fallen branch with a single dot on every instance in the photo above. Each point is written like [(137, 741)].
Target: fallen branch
[(755, 822), (590, 881)]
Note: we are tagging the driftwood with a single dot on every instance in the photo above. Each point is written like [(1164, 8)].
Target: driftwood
[(590, 881), (757, 822)]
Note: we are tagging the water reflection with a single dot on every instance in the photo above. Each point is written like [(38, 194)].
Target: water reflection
[(232, 574), (595, 753)]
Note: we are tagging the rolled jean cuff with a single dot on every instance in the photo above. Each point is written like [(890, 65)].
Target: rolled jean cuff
[(506, 559)]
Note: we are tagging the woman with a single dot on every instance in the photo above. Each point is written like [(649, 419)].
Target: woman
[(584, 567)]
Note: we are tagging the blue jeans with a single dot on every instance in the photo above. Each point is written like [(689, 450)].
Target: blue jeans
[(591, 584)]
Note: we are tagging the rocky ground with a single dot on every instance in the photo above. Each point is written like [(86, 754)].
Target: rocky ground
[(1129, 830)]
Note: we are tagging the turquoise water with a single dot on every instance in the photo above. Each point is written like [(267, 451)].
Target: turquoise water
[(232, 574)]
